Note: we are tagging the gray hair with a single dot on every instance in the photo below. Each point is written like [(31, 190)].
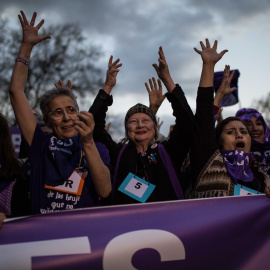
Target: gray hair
[(49, 95)]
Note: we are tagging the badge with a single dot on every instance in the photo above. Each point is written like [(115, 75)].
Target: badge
[(152, 158), (240, 190), (73, 185), (136, 188), (153, 146)]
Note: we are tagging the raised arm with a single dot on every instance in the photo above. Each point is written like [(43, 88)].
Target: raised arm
[(99, 172), (204, 141), (155, 94), (113, 69), (21, 107), (163, 72)]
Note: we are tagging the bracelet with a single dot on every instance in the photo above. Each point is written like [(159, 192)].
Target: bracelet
[(18, 59)]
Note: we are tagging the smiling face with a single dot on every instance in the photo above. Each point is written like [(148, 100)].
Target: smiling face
[(255, 127), (140, 128), (63, 128), (235, 136)]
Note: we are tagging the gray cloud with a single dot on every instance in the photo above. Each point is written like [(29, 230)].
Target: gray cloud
[(133, 31)]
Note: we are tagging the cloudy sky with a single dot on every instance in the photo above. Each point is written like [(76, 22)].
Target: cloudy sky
[(134, 30)]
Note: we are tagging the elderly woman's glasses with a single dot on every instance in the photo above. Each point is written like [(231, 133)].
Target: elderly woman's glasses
[(59, 113), (136, 122)]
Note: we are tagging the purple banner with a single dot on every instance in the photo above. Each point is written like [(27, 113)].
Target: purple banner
[(220, 233)]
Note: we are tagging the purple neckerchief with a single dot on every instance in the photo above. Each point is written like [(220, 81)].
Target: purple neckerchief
[(237, 163), (167, 164), (246, 114), (61, 160)]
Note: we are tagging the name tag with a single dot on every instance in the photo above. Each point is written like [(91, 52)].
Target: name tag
[(73, 185), (136, 188), (240, 190)]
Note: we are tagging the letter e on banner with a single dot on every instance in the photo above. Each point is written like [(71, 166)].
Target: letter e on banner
[(120, 250)]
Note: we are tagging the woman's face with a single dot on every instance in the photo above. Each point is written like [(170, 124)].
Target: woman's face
[(255, 126), (62, 116), (235, 136), (140, 128)]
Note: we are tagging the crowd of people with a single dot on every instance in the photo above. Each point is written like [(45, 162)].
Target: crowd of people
[(75, 163)]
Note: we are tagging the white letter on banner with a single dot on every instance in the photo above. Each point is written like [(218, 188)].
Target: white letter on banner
[(120, 250), (18, 256)]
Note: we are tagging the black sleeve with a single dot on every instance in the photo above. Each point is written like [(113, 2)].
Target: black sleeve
[(99, 109), (182, 134), (204, 144)]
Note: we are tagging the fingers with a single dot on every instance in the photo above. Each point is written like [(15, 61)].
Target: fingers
[(155, 67), (151, 85), (25, 21), (161, 53), (207, 43), (40, 24), (32, 23), (155, 83), (86, 121), (222, 53), (159, 84), (147, 88), (197, 51), (61, 84), (202, 45), (215, 45), (110, 61), (69, 85)]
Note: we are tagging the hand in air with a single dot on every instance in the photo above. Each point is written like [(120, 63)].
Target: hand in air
[(30, 32), (209, 54)]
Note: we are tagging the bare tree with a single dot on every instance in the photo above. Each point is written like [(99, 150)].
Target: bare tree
[(67, 55), (263, 106)]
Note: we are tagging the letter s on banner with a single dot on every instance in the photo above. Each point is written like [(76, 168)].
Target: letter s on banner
[(120, 250)]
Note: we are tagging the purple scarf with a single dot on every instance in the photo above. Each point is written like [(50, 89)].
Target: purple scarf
[(238, 165)]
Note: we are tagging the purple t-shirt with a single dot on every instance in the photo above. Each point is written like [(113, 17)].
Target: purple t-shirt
[(52, 162)]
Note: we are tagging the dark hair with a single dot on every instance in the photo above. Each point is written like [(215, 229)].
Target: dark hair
[(220, 127), (10, 165)]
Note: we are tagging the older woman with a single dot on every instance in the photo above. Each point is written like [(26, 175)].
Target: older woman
[(145, 169), (67, 167), (221, 162)]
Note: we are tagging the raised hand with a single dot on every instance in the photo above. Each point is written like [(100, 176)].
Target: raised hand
[(155, 94), (163, 72), (159, 124), (210, 55), (111, 74), (225, 86), (63, 85), (30, 32)]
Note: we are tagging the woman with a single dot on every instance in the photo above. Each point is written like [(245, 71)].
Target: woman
[(13, 184), (145, 169), (67, 168), (260, 144), (221, 162)]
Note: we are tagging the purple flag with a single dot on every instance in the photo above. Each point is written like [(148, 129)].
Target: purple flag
[(232, 98)]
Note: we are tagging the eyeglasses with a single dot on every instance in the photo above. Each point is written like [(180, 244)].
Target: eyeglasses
[(59, 113), (135, 122)]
